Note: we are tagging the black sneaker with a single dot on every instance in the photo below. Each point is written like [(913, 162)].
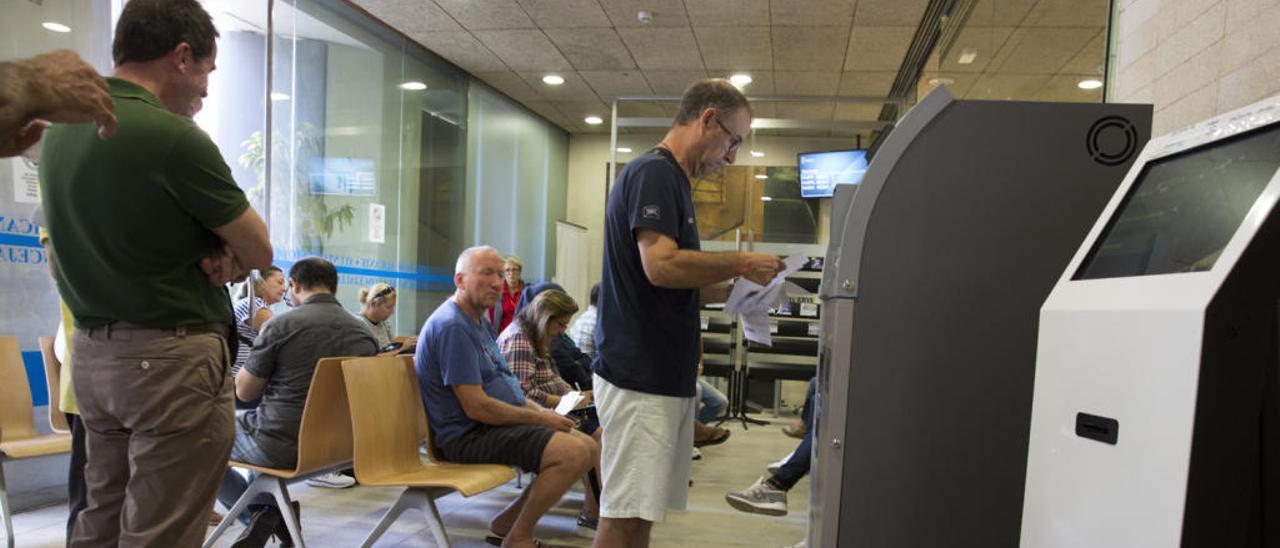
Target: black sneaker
[(587, 526), (263, 523), (282, 529)]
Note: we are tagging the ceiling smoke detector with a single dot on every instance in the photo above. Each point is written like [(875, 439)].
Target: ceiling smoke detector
[(645, 17)]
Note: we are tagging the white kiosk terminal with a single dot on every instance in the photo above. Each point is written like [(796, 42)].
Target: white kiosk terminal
[(1155, 420)]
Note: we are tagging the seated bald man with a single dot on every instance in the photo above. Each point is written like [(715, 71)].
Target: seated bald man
[(477, 411)]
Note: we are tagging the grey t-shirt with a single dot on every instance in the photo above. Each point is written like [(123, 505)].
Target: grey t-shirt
[(285, 354)]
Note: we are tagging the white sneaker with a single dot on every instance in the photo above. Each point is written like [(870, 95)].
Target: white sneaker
[(332, 480), (773, 467), (760, 498), (697, 455)]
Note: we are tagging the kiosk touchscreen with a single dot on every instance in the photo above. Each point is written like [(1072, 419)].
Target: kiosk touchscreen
[(1155, 419), (936, 271)]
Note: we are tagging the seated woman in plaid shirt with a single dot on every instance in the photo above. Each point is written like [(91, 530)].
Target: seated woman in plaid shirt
[(526, 345)]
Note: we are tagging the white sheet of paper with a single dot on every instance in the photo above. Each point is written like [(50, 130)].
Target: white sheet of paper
[(752, 301), (568, 402)]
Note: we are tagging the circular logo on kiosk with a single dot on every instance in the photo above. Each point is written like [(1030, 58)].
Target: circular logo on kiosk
[(1112, 140)]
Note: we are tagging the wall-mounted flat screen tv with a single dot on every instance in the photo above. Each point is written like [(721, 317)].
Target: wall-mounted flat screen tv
[(820, 172)]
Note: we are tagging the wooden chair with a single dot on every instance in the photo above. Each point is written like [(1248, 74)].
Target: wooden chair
[(324, 445), (52, 382), (18, 436), (388, 422)]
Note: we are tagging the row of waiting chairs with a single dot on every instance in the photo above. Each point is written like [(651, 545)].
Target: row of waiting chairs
[(365, 413)]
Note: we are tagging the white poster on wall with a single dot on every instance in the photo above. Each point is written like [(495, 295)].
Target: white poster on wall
[(378, 223), (26, 181)]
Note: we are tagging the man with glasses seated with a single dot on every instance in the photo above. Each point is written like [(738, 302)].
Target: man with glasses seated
[(279, 370), (477, 410)]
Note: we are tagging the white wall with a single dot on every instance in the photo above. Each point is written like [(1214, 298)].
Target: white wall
[(1194, 59), (589, 157)]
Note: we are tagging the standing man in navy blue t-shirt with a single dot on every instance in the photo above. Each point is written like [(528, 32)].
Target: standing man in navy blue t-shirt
[(654, 279), (479, 414)]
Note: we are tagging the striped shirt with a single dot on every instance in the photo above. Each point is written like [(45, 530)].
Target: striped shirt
[(538, 377), (245, 331)]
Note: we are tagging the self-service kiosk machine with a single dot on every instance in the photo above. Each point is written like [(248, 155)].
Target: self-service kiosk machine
[(1155, 420), (935, 274)]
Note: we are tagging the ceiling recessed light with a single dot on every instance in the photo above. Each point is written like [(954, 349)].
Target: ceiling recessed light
[(740, 80), (593, 120), (277, 96), (55, 27), (762, 176), (413, 86), (766, 199), (553, 79), (624, 150), (941, 82), (757, 154), (1089, 84), (967, 55)]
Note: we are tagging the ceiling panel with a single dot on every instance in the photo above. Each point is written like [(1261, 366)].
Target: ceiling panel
[(672, 82), (555, 14), (666, 13), (878, 48), (1006, 86), (735, 48), (890, 13), (574, 87), (806, 83), (1092, 58), (1044, 50), (729, 13), (811, 12), (809, 48), (613, 83), (1068, 13), (524, 50), (461, 48), (487, 14), (576, 111), (511, 84), (592, 49), (864, 83), (1062, 87), (762, 82), (410, 16), (958, 83), (984, 42), (662, 48), (999, 13)]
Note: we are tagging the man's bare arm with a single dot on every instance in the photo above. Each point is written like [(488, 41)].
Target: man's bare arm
[(666, 265), (247, 246), (57, 87), (480, 407)]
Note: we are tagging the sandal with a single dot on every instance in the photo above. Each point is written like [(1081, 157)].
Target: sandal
[(496, 540), (721, 436)]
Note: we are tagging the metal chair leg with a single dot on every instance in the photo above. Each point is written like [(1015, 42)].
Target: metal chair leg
[(280, 491), (260, 484), (4, 508)]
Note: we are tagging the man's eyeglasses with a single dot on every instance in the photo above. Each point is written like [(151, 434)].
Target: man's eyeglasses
[(735, 141)]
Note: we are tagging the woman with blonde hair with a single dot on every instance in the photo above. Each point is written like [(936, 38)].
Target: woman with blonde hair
[(265, 288), (502, 313), (377, 304), (526, 344)]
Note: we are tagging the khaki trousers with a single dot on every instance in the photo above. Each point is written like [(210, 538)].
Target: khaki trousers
[(158, 412)]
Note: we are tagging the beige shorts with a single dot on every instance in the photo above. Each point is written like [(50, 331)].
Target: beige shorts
[(646, 452)]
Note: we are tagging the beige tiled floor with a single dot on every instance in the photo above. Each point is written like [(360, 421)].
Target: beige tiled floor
[(342, 518)]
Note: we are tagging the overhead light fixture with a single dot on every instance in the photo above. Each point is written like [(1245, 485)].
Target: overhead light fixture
[(553, 79), (593, 120), (757, 154), (766, 199), (740, 80), (413, 86), (277, 96), (624, 150), (761, 176), (1089, 84), (935, 82), (967, 55), (55, 27)]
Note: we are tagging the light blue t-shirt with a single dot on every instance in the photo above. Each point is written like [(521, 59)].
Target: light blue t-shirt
[(453, 350)]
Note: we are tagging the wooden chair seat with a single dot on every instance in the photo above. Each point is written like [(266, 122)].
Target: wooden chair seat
[(388, 422), (39, 446), (468, 479)]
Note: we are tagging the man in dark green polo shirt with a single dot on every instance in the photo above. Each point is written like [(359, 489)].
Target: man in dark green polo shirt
[(133, 218)]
